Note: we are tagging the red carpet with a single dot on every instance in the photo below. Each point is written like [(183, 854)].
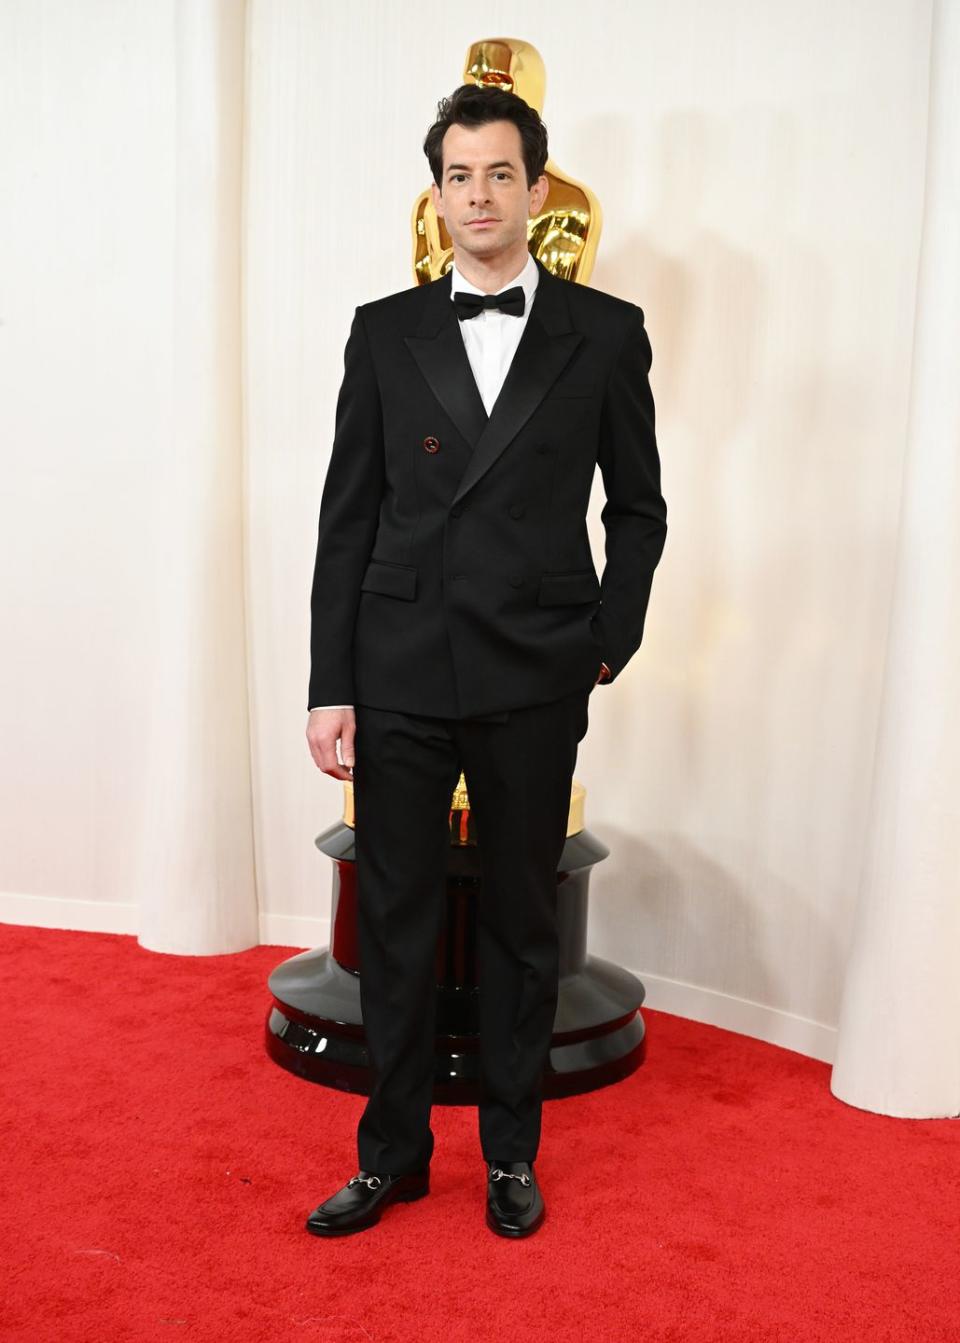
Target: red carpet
[(159, 1169)]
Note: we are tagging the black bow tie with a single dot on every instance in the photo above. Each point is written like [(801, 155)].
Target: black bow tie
[(468, 305)]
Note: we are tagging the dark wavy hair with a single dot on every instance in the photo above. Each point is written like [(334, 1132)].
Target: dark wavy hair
[(476, 104)]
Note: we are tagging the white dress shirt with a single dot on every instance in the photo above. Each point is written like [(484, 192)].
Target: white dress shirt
[(490, 339)]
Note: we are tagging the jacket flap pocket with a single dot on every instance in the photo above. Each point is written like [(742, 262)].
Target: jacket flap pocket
[(579, 585), (392, 580)]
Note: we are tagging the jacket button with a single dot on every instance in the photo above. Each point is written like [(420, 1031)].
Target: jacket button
[(431, 444), (516, 581), (516, 510)]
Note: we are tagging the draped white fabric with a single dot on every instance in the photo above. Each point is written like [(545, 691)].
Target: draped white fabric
[(898, 1049), (196, 885), (196, 194)]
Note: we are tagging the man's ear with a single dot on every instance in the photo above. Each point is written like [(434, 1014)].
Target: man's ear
[(437, 199), (538, 193)]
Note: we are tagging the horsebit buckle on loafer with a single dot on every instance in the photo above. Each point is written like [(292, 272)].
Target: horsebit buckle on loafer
[(372, 1181), (498, 1174)]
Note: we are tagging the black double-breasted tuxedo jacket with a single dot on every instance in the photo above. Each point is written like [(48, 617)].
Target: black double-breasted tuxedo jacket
[(453, 571)]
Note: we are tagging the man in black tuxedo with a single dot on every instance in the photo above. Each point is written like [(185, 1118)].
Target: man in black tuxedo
[(458, 622)]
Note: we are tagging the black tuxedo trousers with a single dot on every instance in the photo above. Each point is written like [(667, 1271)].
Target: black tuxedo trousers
[(518, 769), (455, 604)]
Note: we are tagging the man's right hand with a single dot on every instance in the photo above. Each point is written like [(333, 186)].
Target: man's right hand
[(324, 728)]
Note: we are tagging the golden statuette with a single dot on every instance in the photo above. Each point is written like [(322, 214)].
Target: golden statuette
[(564, 235)]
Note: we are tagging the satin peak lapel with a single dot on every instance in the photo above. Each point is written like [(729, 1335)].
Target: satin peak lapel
[(439, 350), (545, 348)]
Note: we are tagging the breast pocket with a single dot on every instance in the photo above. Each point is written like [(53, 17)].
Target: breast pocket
[(390, 580), (573, 387)]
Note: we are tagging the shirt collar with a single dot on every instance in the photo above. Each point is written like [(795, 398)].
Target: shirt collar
[(527, 279)]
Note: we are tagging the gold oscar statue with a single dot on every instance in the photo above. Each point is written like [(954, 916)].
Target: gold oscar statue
[(564, 235)]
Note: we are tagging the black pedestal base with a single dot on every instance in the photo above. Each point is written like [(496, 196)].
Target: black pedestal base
[(314, 1025), (332, 1050)]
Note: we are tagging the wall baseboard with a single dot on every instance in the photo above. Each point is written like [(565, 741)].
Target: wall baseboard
[(111, 916), (82, 916), (813, 1039), (740, 1015), (294, 930)]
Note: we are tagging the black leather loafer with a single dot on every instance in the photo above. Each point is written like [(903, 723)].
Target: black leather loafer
[(514, 1202), (361, 1201)]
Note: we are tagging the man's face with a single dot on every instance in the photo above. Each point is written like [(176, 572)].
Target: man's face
[(484, 179)]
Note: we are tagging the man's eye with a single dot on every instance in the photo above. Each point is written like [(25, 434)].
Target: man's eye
[(500, 173)]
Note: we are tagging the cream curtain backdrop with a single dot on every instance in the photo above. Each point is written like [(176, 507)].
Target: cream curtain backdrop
[(198, 195), (126, 754), (195, 876), (899, 1043)]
